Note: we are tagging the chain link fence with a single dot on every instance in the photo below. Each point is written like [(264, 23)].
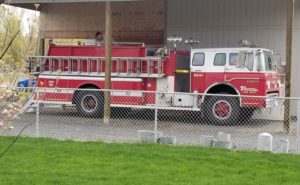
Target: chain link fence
[(172, 118)]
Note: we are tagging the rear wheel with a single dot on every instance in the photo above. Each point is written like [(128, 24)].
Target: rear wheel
[(222, 110), (90, 103)]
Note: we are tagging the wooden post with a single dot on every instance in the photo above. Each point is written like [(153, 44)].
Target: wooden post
[(41, 47), (41, 39), (108, 44), (289, 54)]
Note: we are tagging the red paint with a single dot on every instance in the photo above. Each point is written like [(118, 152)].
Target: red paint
[(202, 82), (122, 100), (97, 51), (151, 86), (222, 109)]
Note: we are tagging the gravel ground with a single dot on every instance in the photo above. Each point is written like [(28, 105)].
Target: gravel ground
[(185, 126)]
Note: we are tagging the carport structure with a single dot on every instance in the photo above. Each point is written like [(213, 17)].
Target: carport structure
[(269, 23), (215, 23)]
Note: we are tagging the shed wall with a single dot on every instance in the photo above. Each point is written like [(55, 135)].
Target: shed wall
[(132, 21)]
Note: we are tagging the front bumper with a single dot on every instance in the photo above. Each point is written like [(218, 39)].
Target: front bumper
[(273, 100)]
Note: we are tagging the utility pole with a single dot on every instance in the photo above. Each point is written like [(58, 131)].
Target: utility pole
[(288, 69), (41, 46), (108, 44), (41, 39)]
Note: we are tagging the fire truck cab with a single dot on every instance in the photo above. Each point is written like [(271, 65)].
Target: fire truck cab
[(184, 80), (240, 71), (244, 72)]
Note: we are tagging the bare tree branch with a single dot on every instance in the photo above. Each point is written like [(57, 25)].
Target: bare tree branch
[(10, 43), (5, 38)]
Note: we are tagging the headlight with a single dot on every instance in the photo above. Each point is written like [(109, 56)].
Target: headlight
[(275, 84), (278, 82)]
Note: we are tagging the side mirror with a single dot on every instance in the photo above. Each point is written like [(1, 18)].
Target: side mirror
[(241, 59), (245, 60)]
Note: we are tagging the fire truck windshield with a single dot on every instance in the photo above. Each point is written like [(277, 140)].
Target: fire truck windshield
[(266, 61)]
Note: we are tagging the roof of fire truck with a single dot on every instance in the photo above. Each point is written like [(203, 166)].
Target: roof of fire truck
[(249, 49)]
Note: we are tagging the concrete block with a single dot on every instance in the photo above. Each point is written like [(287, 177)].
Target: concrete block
[(206, 141), (223, 137), (146, 136), (222, 144), (282, 146), (167, 140)]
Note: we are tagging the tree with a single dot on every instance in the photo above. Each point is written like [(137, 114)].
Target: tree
[(16, 45), (11, 103)]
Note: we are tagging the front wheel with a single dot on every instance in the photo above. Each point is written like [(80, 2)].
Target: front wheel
[(90, 103), (222, 110)]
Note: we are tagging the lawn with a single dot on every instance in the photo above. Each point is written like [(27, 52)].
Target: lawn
[(45, 161)]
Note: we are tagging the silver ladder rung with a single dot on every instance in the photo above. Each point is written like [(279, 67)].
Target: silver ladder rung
[(145, 66)]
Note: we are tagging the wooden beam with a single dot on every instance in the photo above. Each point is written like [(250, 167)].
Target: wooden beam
[(58, 1), (289, 54), (41, 47), (108, 46)]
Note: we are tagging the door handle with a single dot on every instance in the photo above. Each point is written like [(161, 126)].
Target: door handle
[(228, 69)]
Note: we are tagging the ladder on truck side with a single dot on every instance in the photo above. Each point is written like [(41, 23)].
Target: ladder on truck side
[(151, 67)]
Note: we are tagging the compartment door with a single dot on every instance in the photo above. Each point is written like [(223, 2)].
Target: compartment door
[(182, 73)]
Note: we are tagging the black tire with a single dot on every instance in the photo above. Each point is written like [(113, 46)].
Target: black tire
[(222, 110), (246, 114), (90, 103)]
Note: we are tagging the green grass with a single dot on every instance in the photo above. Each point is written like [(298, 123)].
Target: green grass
[(45, 161)]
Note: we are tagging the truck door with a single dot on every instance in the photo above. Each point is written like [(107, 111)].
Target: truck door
[(182, 73), (198, 72), (240, 72)]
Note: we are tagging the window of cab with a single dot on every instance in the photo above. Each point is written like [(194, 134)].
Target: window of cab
[(220, 59), (198, 59), (233, 57)]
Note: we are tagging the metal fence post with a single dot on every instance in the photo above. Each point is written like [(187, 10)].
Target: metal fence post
[(155, 118), (37, 119), (298, 128)]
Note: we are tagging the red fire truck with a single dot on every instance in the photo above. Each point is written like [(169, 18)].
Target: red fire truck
[(184, 79)]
